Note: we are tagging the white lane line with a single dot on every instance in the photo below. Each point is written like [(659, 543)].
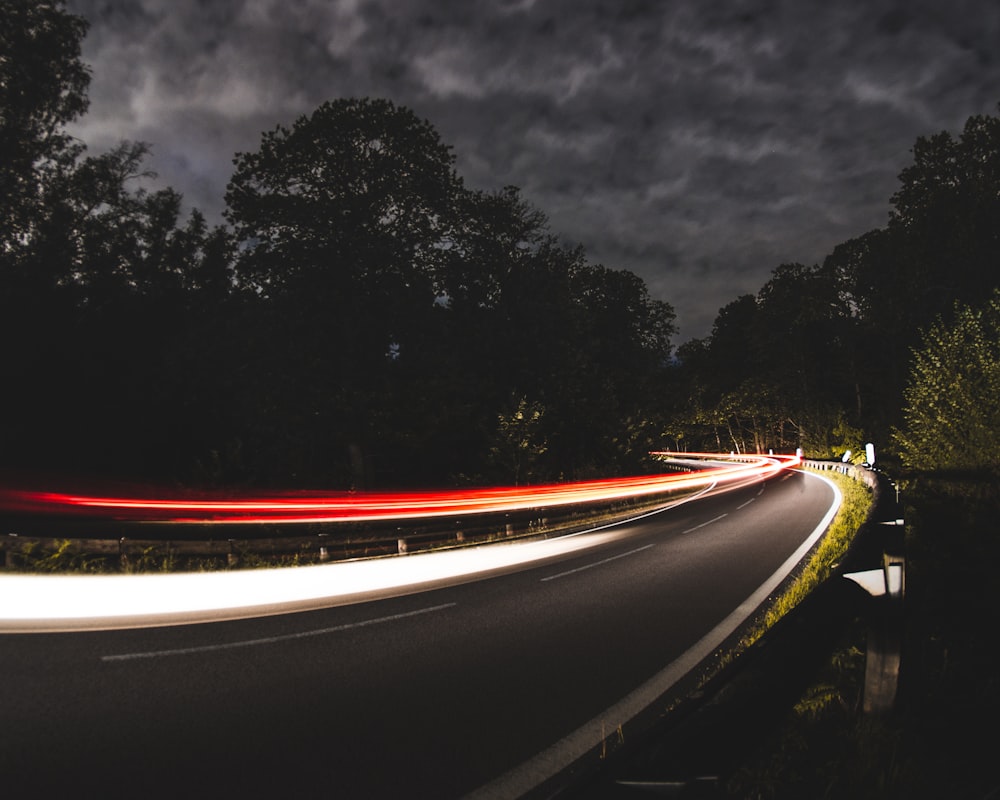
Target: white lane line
[(183, 651), (596, 563), (748, 502), (696, 527), (529, 775)]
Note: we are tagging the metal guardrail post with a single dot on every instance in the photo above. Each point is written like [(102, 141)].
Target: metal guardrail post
[(885, 634), (887, 587)]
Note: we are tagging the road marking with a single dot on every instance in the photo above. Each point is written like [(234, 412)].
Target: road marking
[(529, 775), (183, 651), (597, 563), (748, 502), (696, 527)]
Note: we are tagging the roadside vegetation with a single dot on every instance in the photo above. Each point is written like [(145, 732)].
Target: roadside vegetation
[(937, 740), (363, 320), (316, 544), (857, 501)]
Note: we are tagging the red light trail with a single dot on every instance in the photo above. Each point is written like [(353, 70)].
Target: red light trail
[(312, 507), (31, 603)]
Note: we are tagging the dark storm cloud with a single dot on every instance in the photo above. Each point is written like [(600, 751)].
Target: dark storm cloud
[(699, 144)]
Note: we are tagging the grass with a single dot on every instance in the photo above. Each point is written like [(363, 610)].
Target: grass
[(940, 738), (26, 554), (857, 500), (60, 557)]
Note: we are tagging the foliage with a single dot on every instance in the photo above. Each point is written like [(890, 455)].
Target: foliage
[(772, 375), (831, 342), (931, 745), (43, 85), (857, 501), (517, 443), (63, 556), (351, 201), (364, 319), (454, 299), (846, 438), (952, 403), (939, 248)]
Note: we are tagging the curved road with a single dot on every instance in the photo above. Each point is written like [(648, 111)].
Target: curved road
[(485, 688)]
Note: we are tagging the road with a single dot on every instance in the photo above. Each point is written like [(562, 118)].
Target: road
[(485, 687)]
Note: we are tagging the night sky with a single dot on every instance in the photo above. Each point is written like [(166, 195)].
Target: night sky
[(699, 144)]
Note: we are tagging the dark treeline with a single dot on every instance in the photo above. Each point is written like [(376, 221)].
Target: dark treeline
[(365, 320), (892, 339)]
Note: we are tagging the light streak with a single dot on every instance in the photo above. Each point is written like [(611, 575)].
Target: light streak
[(34, 603), (310, 507), (30, 603)]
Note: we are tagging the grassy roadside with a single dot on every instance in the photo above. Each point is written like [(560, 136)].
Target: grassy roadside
[(857, 500), (940, 739)]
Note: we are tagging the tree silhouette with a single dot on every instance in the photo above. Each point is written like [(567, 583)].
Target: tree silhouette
[(342, 220), (43, 86)]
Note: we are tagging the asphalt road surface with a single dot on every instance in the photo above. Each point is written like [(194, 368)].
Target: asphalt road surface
[(486, 688)]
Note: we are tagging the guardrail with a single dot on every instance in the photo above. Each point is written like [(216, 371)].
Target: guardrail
[(705, 734), (53, 531), (857, 472), (128, 547)]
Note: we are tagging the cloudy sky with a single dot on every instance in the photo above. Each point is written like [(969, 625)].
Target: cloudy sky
[(699, 144)]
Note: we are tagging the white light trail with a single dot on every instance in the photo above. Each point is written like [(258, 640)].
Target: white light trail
[(31, 603)]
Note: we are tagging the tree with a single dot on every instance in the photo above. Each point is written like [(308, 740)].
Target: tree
[(518, 442), (43, 85), (945, 244), (342, 221), (773, 374), (609, 390), (801, 333), (353, 197), (111, 363), (493, 235), (117, 313), (940, 247), (728, 358), (504, 281), (952, 401)]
